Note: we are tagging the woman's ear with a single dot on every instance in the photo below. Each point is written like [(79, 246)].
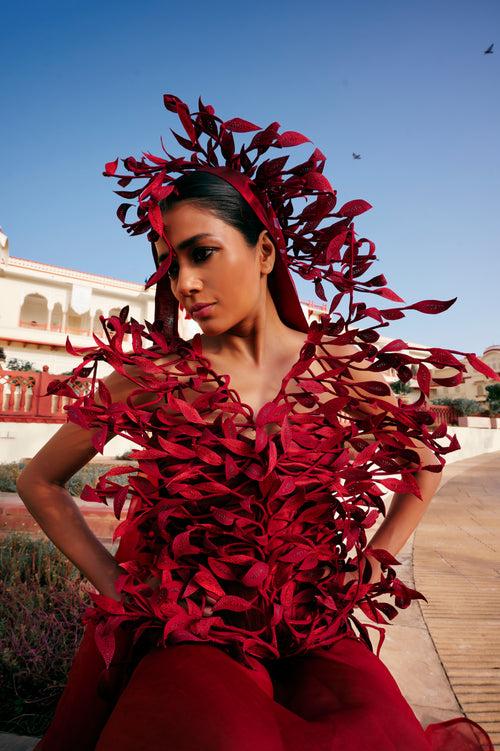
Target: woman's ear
[(265, 247)]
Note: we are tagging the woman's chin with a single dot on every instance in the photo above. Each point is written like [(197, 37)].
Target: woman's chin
[(211, 327)]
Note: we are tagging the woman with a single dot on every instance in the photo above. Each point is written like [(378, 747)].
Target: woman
[(225, 620)]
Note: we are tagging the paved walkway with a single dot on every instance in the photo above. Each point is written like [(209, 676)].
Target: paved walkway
[(444, 654), (456, 563)]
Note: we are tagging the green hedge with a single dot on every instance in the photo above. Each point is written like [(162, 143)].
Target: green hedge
[(89, 474), (9, 472)]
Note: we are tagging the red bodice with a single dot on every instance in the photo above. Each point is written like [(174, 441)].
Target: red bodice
[(258, 529)]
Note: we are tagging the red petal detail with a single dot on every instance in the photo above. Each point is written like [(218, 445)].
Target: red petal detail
[(99, 438), (110, 167), (354, 208), (104, 393), (424, 378), (105, 640), (388, 294), (408, 485), (317, 181), (482, 367), (155, 218), (173, 449), (237, 125), (119, 500), (432, 306), (158, 274), (332, 251), (231, 602), (292, 138), (171, 102)]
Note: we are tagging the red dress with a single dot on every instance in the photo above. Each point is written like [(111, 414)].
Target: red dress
[(250, 640)]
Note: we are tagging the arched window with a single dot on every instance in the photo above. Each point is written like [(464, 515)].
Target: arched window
[(78, 324), (34, 312)]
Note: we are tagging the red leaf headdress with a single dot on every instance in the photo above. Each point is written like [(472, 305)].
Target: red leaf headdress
[(330, 253), (270, 189)]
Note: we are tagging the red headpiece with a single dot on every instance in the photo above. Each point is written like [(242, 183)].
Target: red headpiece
[(302, 245), (269, 189)]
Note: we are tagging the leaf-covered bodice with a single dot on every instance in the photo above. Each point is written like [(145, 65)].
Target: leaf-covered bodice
[(247, 523)]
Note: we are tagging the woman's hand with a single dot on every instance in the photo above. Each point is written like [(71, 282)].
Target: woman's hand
[(154, 582), (375, 575)]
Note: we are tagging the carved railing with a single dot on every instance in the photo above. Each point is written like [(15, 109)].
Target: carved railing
[(23, 396)]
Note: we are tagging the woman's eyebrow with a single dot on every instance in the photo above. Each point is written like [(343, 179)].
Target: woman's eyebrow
[(187, 243)]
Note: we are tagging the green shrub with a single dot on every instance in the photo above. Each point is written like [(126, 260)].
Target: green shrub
[(87, 475), (461, 406), (42, 598), (125, 455), (16, 363), (9, 472)]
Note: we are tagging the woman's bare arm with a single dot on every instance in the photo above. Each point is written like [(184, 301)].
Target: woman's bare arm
[(406, 510), (41, 488)]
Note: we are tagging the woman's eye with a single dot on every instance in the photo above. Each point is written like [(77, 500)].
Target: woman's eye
[(198, 254), (202, 256), (172, 269)]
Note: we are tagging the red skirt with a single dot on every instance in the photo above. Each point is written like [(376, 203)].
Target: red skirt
[(195, 697)]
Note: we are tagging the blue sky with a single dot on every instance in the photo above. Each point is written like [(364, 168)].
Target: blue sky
[(406, 85)]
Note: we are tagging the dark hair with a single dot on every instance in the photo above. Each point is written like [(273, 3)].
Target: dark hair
[(218, 196)]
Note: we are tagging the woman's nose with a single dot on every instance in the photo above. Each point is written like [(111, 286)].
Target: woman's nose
[(188, 282)]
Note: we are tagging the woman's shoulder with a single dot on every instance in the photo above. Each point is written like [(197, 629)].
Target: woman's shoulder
[(138, 372), (138, 361)]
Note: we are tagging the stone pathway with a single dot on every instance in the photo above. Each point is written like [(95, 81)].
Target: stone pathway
[(456, 563)]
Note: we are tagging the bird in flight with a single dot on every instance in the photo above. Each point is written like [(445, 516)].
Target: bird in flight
[(489, 51), (356, 156)]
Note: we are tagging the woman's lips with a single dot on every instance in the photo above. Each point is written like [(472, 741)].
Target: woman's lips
[(203, 312)]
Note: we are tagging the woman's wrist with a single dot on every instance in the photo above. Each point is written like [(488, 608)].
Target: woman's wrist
[(109, 588), (375, 566)]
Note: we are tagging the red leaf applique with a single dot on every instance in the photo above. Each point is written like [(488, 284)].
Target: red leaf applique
[(237, 125)]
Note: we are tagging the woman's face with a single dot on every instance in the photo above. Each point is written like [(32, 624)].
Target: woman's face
[(212, 263)]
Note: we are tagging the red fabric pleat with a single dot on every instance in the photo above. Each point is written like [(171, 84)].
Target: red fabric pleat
[(188, 697)]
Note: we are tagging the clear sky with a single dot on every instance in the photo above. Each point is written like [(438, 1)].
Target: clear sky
[(406, 85)]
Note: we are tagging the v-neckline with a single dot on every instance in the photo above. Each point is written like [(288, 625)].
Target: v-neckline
[(197, 349)]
